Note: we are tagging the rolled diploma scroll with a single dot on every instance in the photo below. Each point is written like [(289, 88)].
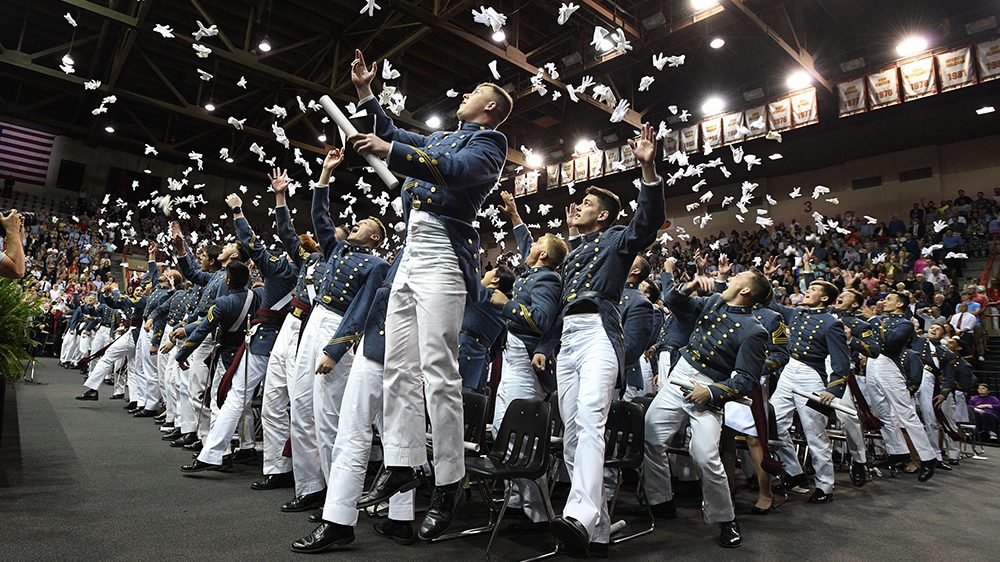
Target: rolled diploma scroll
[(689, 386), (345, 125), (471, 447), (836, 405)]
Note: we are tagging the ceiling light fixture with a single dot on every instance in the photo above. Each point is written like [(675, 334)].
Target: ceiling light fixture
[(147, 171), (717, 43), (68, 60), (776, 156), (798, 80), (534, 161), (700, 5), (109, 129), (434, 122), (911, 45), (321, 138), (209, 106), (713, 105), (500, 36), (264, 45), (985, 109), (583, 146)]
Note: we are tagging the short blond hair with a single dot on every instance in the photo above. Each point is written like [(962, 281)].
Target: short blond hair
[(505, 103), (557, 248)]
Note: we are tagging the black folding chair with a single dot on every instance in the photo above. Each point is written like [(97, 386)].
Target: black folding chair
[(624, 447), (521, 450)]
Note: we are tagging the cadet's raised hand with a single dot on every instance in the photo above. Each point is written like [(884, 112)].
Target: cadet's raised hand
[(361, 75)]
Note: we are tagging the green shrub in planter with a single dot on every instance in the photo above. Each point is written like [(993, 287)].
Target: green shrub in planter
[(16, 311)]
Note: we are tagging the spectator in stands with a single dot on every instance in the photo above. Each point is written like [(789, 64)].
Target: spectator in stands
[(12, 250), (937, 278)]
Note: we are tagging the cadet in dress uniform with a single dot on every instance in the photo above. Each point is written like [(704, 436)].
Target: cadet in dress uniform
[(483, 329), (449, 175), (343, 296), (70, 340), (527, 372), (87, 327), (638, 326), (124, 346), (591, 358), (275, 410), (247, 370), (936, 386), (168, 315), (887, 385), (102, 329), (146, 392), (861, 341), (186, 416), (813, 335), (723, 361), (138, 310), (211, 276)]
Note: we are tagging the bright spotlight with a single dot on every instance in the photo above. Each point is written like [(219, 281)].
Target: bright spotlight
[(147, 171), (264, 45), (500, 36), (109, 129), (434, 122), (700, 5), (534, 161), (717, 43), (911, 46), (209, 106), (985, 109), (67, 60), (321, 138), (584, 146), (713, 105), (798, 80)]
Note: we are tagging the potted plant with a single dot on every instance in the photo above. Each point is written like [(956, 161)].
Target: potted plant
[(17, 307)]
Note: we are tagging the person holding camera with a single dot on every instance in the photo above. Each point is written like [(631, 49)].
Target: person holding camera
[(12, 254)]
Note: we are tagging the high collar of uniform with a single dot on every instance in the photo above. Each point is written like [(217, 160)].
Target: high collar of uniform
[(472, 126), (631, 285), (739, 309), (590, 237), (821, 310)]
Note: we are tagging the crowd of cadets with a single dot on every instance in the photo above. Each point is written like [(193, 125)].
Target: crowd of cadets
[(340, 341)]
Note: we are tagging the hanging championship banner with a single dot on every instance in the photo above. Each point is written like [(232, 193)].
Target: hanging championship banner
[(955, 68), (671, 143), (552, 176), (628, 157), (805, 110), (988, 55), (689, 139), (779, 114), (756, 121), (612, 155), (918, 79), (531, 182), (520, 181), (566, 177), (883, 88), (711, 132), (596, 164), (852, 97), (731, 125), (581, 167)]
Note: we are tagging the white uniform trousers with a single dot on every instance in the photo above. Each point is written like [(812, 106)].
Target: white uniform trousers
[(851, 426), (924, 401), (519, 381), (150, 375), (313, 395), (424, 317), (130, 371), (165, 377), (235, 409), (646, 368), (961, 407), (101, 338), (800, 376), (585, 377), (84, 348), (142, 359), (665, 417), (892, 437), (104, 367), (889, 390), (275, 408), (197, 381), (69, 344), (953, 447), (361, 408)]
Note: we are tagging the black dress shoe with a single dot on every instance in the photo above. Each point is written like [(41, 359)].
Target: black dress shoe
[(926, 471), (316, 516), (194, 445), (444, 504), (729, 534), (390, 481), (130, 406), (306, 502), (399, 531), (109, 382), (175, 434), (953, 462), (859, 474), (198, 466), (117, 397), (324, 537), (819, 496), (145, 414), (598, 550), (89, 395), (941, 465), (274, 481), (185, 439), (243, 456), (572, 536)]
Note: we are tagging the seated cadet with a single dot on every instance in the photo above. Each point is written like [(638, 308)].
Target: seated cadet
[(483, 328), (640, 324)]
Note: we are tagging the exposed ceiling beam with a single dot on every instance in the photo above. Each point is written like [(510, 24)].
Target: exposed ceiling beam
[(612, 17), (210, 21), (799, 56), (103, 11), (61, 48), (126, 43)]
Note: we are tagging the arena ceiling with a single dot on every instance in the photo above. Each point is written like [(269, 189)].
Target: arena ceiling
[(436, 46)]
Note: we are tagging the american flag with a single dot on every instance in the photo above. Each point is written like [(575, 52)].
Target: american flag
[(24, 153)]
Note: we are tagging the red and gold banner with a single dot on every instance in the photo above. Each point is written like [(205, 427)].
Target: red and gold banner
[(689, 139), (756, 121), (731, 125), (988, 57), (711, 132), (955, 68), (851, 95), (671, 143), (918, 78), (552, 176), (883, 88), (805, 109), (779, 114)]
